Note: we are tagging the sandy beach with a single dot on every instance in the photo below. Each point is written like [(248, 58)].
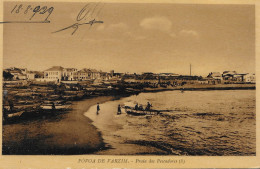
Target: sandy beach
[(67, 133), (201, 123)]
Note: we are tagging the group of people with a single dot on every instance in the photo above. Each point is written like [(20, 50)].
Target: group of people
[(147, 108), (118, 109)]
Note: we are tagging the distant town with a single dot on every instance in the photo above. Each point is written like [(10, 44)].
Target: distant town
[(56, 92), (58, 74)]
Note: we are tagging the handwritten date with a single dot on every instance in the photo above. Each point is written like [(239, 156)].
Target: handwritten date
[(32, 11)]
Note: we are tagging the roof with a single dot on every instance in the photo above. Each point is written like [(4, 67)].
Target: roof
[(13, 70), (230, 72), (168, 74), (94, 70), (146, 73), (70, 69), (55, 68), (85, 70), (214, 74)]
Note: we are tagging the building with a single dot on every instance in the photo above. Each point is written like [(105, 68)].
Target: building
[(105, 75), (168, 76), (54, 73), (215, 75), (30, 75), (88, 74), (83, 74), (249, 78), (238, 77), (18, 74), (228, 75), (69, 74), (24, 71), (95, 74)]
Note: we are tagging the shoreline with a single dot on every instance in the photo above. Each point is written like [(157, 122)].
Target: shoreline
[(204, 87), (119, 149), (61, 134), (69, 133)]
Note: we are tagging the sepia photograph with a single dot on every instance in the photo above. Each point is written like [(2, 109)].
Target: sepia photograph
[(135, 79)]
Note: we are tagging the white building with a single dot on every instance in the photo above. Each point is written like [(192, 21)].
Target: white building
[(58, 74), (88, 74), (54, 74), (69, 74), (215, 75), (30, 76), (249, 78)]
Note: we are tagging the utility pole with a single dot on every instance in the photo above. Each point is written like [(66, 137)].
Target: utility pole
[(190, 69)]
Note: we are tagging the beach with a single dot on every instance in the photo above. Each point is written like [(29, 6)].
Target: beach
[(77, 131), (204, 123), (66, 133)]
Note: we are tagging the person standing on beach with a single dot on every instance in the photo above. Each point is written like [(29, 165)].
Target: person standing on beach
[(53, 106), (148, 107), (98, 108), (11, 105), (136, 106), (119, 109)]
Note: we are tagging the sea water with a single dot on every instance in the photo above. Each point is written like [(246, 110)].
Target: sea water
[(221, 122)]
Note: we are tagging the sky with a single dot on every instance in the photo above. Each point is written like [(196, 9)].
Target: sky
[(133, 37)]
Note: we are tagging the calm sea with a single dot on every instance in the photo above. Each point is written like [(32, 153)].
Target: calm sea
[(210, 123)]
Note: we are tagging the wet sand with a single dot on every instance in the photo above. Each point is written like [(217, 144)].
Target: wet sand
[(66, 133)]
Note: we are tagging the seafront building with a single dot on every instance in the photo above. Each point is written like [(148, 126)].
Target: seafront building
[(232, 77), (250, 77), (54, 73), (87, 74), (69, 74), (18, 74), (59, 74)]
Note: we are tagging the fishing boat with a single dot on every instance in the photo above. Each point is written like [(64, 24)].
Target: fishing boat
[(136, 112), (57, 107), (8, 114), (131, 111), (16, 114)]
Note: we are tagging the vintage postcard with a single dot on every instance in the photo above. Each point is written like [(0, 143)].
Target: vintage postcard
[(136, 84)]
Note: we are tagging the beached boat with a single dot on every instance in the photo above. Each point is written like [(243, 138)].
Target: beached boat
[(69, 97), (131, 111), (7, 114), (71, 92), (141, 113), (57, 106), (136, 112), (17, 114)]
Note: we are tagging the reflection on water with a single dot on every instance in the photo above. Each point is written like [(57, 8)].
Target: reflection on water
[(202, 123)]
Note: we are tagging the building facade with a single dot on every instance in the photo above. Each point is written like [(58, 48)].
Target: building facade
[(54, 74), (69, 74), (88, 74), (249, 78)]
